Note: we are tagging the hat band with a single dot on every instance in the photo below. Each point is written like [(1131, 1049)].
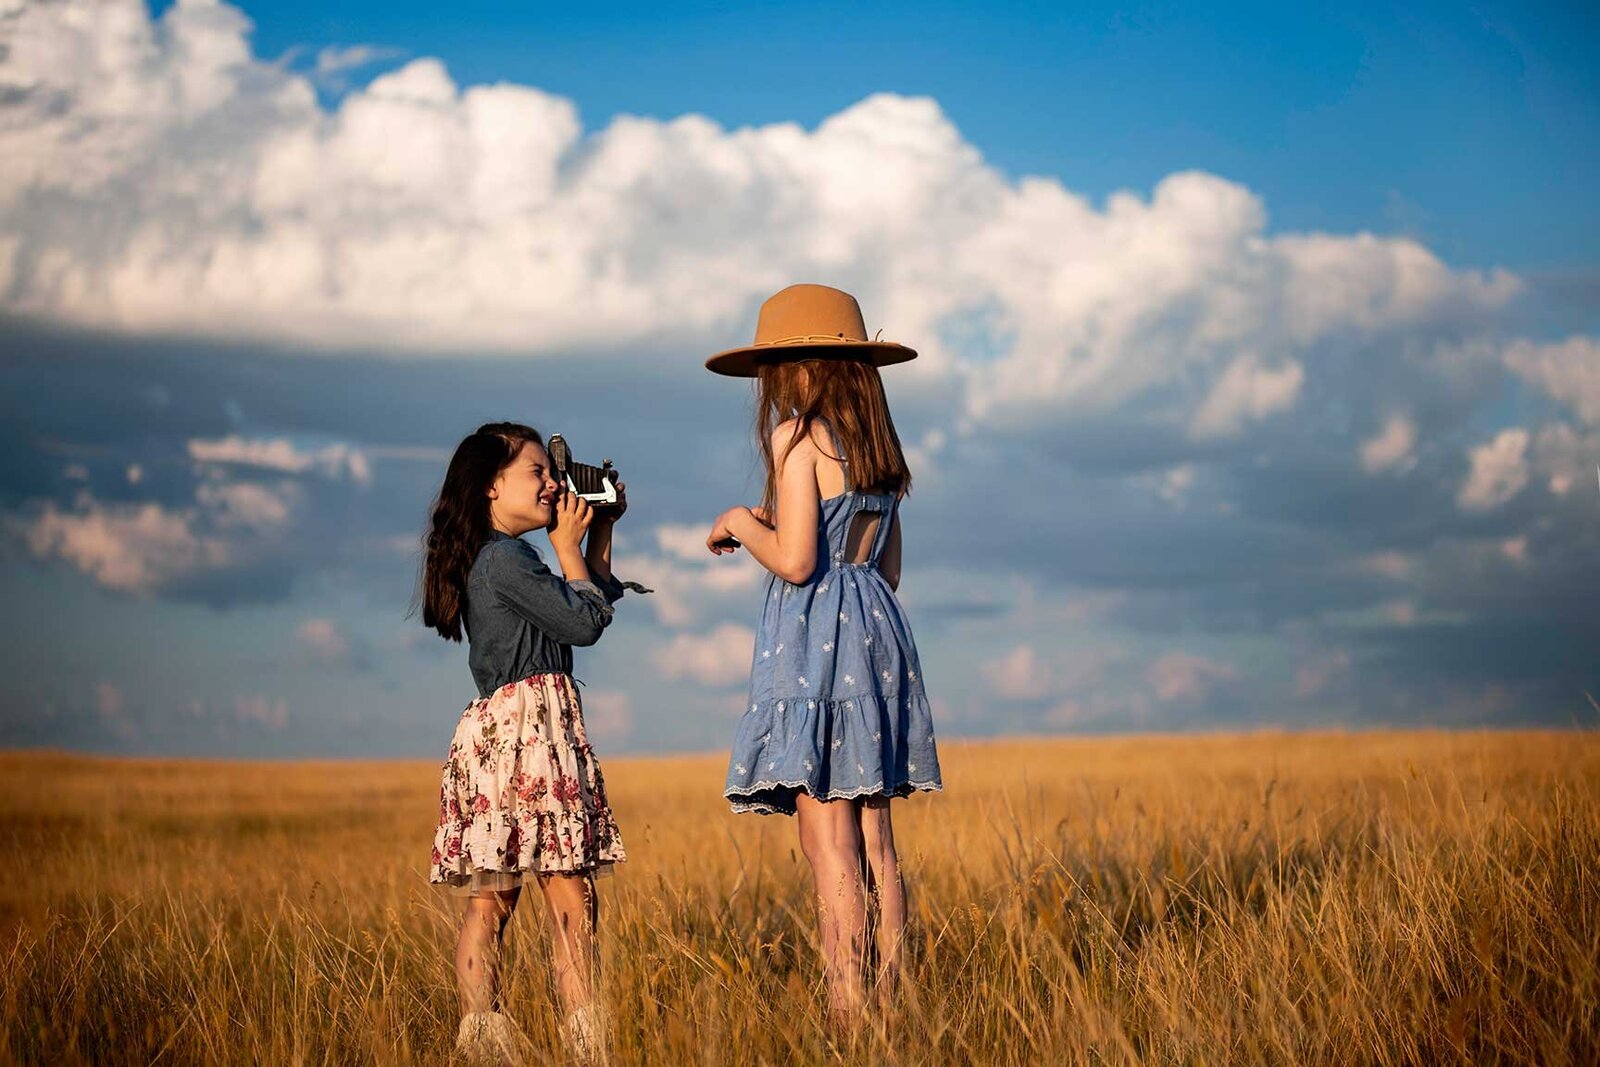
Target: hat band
[(814, 338)]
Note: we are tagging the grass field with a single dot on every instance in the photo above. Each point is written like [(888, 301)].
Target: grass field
[(1364, 898)]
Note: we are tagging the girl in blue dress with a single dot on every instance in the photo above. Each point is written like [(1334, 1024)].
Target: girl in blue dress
[(837, 722)]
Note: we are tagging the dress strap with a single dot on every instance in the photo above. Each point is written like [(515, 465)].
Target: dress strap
[(837, 451)]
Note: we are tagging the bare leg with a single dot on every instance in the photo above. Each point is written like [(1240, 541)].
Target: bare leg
[(574, 914), (883, 866), (483, 927), (831, 840)]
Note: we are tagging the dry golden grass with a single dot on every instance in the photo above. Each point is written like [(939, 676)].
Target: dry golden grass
[(1428, 898)]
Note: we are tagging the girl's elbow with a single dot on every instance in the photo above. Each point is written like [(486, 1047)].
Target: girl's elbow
[(584, 638), (595, 627), (798, 573), (583, 633)]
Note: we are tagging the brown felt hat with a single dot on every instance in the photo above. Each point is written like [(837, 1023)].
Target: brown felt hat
[(808, 322)]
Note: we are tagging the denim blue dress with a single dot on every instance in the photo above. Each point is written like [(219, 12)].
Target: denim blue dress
[(836, 706)]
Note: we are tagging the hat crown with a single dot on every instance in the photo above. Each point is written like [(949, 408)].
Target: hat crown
[(811, 312), (808, 322)]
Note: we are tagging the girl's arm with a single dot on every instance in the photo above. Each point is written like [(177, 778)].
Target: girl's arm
[(889, 562), (572, 611), (597, 554), (788, 549), (597, 550)]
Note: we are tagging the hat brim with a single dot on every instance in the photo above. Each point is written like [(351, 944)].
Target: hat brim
[(747, 362)]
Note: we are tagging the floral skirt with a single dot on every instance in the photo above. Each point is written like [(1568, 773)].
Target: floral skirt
[(522, 791)]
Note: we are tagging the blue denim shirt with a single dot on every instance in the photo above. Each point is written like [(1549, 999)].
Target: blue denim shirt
[(522, 619)]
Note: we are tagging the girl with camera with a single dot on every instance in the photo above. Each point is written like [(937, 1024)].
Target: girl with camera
[(522, 796), (837, 723)]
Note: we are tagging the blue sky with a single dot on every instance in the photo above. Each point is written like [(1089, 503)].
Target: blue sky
[(1260, 374)]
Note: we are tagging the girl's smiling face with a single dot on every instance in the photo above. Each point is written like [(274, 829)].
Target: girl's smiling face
[(523, 496)]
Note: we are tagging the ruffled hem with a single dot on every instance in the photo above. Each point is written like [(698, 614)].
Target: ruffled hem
[(524, 843), (521, 791), (779, 796), (831, 749)]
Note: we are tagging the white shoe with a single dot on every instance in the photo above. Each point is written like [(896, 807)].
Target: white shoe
[(490, 1039), (585, 1031)]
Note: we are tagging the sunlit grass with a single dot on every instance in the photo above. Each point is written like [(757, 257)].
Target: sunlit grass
[(1338, 898)]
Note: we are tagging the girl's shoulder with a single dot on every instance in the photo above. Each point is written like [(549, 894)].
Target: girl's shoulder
[(820, 440), (785, 432), (504, 557)]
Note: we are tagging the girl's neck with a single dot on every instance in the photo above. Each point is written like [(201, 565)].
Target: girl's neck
[(507, 528)]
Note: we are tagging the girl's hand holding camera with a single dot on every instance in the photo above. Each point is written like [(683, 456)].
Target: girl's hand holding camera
[(617, 510), (570, 516)]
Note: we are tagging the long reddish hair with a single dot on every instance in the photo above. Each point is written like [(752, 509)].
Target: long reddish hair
[(459, 520), (847, 395)]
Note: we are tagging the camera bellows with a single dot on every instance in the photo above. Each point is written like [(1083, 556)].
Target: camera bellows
[(597, 485)]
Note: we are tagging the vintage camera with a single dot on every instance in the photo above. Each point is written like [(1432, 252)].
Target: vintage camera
[(597, 485)]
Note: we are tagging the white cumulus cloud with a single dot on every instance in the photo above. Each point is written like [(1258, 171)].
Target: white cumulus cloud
[(1569, 371), (144, 547), (1246, 391), (1499, 471), (1390, 449), (690, 583), (1566, 458), (162, 178), (131, 548), (720, 657)]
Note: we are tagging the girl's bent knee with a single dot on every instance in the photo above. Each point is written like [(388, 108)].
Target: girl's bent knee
[(491, 906)]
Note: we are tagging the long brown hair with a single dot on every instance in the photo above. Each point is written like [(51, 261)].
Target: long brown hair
[(848, 396), (459, 523)]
